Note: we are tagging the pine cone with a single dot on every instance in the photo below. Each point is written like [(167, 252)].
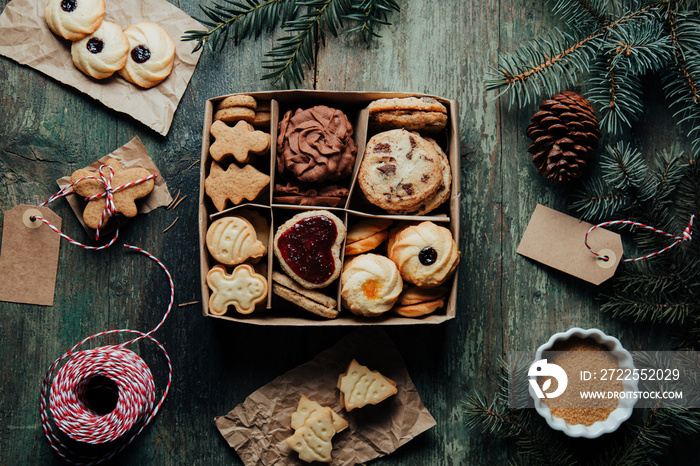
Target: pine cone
[(565, 134)]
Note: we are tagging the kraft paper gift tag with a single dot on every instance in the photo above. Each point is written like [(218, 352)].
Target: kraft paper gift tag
[(557, 240), (26, 39), (29, 256)]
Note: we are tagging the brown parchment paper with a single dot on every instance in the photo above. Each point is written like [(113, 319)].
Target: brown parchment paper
[(132, 154), (25, 38), (257, 428)]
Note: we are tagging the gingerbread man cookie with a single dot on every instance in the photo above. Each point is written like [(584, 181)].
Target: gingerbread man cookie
[(242, 289), (240, 141), (124, 199)]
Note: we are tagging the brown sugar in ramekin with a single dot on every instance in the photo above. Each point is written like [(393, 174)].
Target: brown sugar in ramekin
[(576, 355)]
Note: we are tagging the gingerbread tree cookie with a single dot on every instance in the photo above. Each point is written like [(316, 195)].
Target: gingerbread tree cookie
[(360, 386), (234, 184)]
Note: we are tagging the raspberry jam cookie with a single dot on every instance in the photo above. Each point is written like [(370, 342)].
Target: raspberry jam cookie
[(101, 53), (151, 55), (74, 19), (308, 247)]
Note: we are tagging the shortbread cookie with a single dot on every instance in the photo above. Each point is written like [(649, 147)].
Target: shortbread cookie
[(425, 254), (310, 300), (151, 54), (359, 386), (242, 289), (366, 235), (259, 222), (370, 285), (261, 120), (424, 114), (232, 240), (235, 114), (238, 100), (241, 141), (74, 19), (316, 144), (101, 53), (313, 440), (399, 171), (307, 408), (443, 192), (124, 199), (234, 184), (308, 247), (418, 302)]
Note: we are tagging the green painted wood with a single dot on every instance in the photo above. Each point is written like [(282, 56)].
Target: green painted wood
[(505, 302)]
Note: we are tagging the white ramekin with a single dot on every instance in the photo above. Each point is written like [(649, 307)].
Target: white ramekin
[(625, 405)]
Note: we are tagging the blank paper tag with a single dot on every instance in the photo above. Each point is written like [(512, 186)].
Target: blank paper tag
[(557, 240), (29, 256)]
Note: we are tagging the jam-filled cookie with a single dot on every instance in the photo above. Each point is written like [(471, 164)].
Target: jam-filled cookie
[(370, 285), (101, 53), (308, 247), (151, 54), (426, 254), (74, 19)]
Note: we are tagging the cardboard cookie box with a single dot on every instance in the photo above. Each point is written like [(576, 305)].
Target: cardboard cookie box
[(273, 310)]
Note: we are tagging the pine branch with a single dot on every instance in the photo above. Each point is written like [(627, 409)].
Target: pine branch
[(240, 20), (582, 14), (618, 94), (623, 167), (598, 202), (682, 87), (655, 308), (287, 60), (369, 15), (552, 62), (307, 22)]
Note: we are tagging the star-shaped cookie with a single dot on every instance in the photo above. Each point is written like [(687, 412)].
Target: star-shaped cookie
[(240, 141), (124, 199), (234, 183)]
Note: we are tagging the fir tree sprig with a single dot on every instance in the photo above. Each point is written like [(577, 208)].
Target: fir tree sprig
[(239, 20), (307, 24), (663, 193), (607, 46)]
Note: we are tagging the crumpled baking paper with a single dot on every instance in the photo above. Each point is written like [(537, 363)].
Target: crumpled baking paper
[(257, 428), (26, 38)]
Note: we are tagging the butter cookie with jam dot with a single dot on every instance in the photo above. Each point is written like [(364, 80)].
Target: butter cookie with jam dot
[(74, 19), (101, 53), (151, 54)]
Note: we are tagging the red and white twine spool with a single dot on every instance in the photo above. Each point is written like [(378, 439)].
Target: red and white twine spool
[(686, 236), (66, 387)]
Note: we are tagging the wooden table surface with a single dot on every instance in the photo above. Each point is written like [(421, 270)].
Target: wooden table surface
[(506, 302)]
